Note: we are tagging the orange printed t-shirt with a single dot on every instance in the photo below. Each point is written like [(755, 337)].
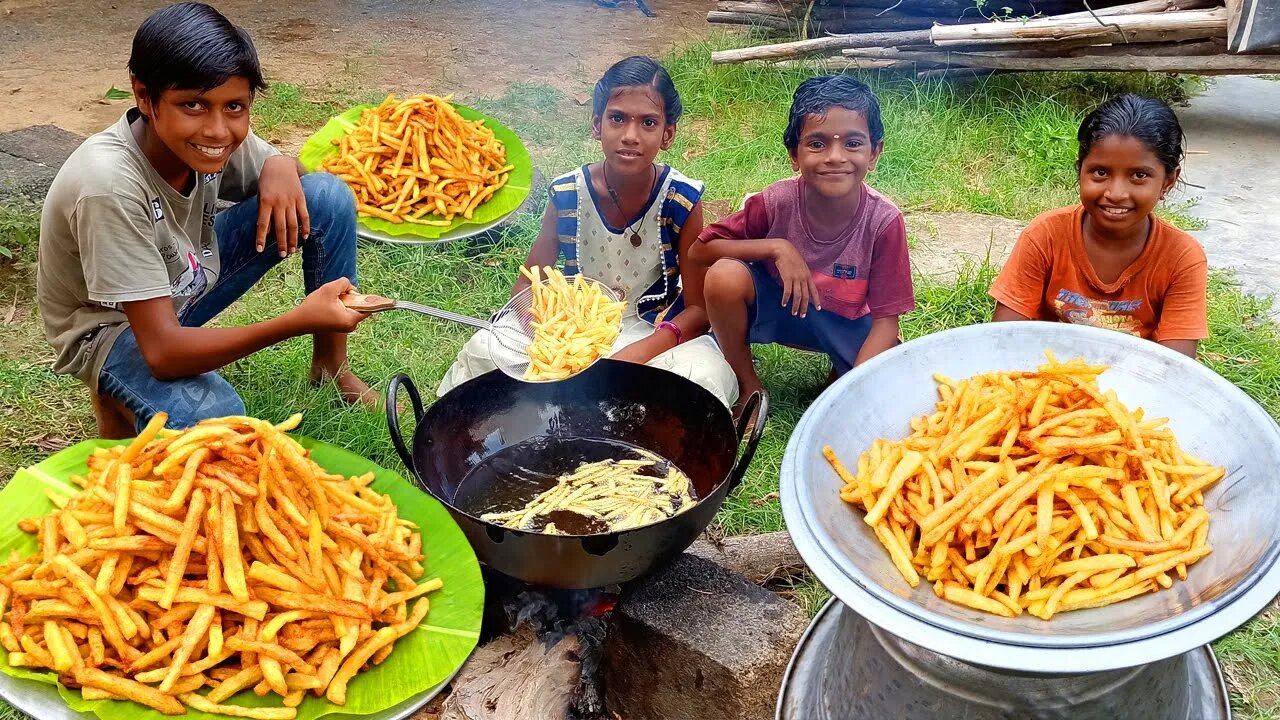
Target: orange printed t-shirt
[(1162, 295)]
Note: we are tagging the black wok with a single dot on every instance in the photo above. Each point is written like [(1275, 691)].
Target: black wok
[(613, 400)]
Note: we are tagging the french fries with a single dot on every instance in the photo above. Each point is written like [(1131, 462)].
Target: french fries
[(575, 324), (239, 561), (1034, 492), (418, 161), (616, 494)]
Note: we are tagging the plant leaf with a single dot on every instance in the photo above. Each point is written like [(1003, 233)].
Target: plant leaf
[(423, 660), (116, 93), (320, 146)]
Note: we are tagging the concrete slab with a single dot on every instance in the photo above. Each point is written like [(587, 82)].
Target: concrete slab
[(44, 144), (1233, 170), (30, 158), (698, 641), (19, 177)]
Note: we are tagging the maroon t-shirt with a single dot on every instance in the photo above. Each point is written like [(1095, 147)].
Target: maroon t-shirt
[(862, 270)]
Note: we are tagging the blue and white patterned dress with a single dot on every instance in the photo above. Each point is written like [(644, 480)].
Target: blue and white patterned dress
[(647, 276)]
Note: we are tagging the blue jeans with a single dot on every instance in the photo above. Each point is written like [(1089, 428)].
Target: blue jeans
[(330, 253)]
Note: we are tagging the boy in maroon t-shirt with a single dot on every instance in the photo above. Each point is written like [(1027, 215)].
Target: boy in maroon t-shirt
[(823, 239)]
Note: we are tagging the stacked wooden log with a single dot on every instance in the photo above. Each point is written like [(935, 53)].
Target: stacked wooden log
[(1173, 36), (813, 18)]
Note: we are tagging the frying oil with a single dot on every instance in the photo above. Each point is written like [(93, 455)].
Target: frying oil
[(512, 477)]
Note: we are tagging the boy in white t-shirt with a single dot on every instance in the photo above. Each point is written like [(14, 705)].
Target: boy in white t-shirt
[(134, 257)]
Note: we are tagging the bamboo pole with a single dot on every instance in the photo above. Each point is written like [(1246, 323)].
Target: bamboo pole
[(1069, 44), (1210, 21), (1148, 6), (801, 48), (1194, 48), (841, 64), (1208, 65)]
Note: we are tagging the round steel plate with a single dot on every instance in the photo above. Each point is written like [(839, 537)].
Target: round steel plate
[(1212, 418), (805, 685)]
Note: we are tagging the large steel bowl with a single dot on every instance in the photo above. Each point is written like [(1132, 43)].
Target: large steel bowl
[(1212, 419)]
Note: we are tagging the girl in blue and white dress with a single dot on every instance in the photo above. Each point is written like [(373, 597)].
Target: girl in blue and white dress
[(629, 222)]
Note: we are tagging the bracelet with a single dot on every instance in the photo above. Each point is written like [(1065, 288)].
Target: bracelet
[(674, 328)]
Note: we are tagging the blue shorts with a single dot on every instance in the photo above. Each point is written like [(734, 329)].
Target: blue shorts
[(820, 330)]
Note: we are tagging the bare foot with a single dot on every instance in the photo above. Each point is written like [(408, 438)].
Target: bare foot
[(745, 390), (351, 388)]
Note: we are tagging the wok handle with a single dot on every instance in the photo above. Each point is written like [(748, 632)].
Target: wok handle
[(750, 426), (393, 417)]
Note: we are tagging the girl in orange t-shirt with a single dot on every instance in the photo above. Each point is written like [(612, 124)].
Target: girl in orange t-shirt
[(1109, 261)]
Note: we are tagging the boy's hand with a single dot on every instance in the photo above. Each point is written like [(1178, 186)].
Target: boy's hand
[(798, 287), (282, 207), (323, 311)]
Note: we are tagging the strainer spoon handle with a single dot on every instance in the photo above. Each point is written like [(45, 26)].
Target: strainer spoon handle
[(376, 303)]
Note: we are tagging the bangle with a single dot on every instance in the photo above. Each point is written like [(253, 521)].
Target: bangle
[(674, 328)]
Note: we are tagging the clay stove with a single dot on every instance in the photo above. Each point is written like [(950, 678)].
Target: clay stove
[(695, 640)]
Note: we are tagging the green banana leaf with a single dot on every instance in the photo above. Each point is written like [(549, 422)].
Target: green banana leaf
[(504, 202), (423, 659)]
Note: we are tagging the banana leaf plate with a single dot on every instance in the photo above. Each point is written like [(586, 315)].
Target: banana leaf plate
[(424, 661), (506, 201)]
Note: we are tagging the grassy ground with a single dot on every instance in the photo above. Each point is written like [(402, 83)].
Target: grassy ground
[(1003, 146)]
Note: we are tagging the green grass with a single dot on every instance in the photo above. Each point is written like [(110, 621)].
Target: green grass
[(19, 231), (1004, 146), (285, 108), (1250, 659), (1179, 214), (1244, 345)]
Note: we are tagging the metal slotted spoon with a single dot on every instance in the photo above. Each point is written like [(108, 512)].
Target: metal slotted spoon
[(510, 328)]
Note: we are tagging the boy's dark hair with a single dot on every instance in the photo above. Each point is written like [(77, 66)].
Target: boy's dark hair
[(1147, 119), (638, 71), (817, 95), (192, 46)]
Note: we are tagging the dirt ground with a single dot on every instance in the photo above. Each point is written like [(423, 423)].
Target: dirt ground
[(58, 57), (945, 243)]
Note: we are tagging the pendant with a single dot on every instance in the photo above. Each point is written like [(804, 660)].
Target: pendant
[(635, 240)]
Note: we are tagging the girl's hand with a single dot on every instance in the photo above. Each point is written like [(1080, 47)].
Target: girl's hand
[(798, 286), (282, 207), (646, 348), (323, 311)]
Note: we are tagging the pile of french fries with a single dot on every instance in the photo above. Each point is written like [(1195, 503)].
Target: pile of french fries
[(1036, 492), (219, 557), (418, 161), (620, 494), (575, 324)]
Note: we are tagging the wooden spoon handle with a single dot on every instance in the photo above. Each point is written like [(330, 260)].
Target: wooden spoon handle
[(362, 302)]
